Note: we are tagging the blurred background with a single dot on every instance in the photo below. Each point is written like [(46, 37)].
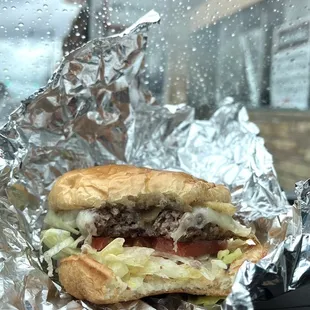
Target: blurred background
[(256, 51)]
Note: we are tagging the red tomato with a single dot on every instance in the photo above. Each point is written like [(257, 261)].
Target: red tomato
[(100, 243), (193, 249)]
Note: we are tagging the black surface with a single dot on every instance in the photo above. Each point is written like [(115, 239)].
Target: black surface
[(291, 197), (298, 299)]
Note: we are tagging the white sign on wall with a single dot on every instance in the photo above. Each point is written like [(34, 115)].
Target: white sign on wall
[(290, 73)]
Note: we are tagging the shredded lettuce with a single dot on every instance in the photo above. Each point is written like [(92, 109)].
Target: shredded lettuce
[(204, 300), (134, 282), (134, 263), (65, 220), (53, 236), (222, 254), (139, 259), (60, 244), (55, 250), (115, 247), (119, 268), (217, 263), (228, 257), (232, 256)]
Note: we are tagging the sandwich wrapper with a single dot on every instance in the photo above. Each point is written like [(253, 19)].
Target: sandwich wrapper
[(95, 110)]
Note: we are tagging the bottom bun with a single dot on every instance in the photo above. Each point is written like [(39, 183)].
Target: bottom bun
[(86, 279)]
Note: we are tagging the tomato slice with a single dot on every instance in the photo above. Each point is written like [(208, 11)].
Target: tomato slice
[(100, 243), (184, 249), (193, 249)]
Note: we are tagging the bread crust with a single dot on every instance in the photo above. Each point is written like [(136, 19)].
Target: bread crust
[(128, 185), (84, 278)]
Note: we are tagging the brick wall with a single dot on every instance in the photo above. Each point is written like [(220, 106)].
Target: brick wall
[(287, 137)]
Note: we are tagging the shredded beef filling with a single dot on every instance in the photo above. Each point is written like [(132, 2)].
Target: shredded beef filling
[(122, 222)]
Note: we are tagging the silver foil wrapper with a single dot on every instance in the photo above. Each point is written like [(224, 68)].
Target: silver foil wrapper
[(95, 110)]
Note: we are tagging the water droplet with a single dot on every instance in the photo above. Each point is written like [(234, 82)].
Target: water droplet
[(20, 25), (13, 8), (5, 70), (1, 27), (233, 34), (77, 34), (194, 49), (16, 28), (65, 10), (188, 8), (7, 77), (39, 10), (27, 2), (45, 6), (4, 8)]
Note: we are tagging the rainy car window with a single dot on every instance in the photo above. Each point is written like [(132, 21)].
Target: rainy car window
[(204, 51)]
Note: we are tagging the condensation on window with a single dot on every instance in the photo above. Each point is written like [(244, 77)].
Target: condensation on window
[(254, 51)]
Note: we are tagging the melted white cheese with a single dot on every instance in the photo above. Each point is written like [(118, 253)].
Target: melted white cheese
[(200, 217), (85, 222)]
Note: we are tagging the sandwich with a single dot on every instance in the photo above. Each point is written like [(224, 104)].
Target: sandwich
[(117, 233)]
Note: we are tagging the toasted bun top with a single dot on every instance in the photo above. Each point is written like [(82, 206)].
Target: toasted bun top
[(131, 186)]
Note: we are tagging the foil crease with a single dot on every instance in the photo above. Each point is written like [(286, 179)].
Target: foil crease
[(286, 267), (226, 149), (95, 110)]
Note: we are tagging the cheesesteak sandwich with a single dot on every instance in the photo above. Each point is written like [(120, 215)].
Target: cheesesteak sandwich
[(120, 233)]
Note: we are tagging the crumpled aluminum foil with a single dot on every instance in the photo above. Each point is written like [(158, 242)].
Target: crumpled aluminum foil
[(94, 111)]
